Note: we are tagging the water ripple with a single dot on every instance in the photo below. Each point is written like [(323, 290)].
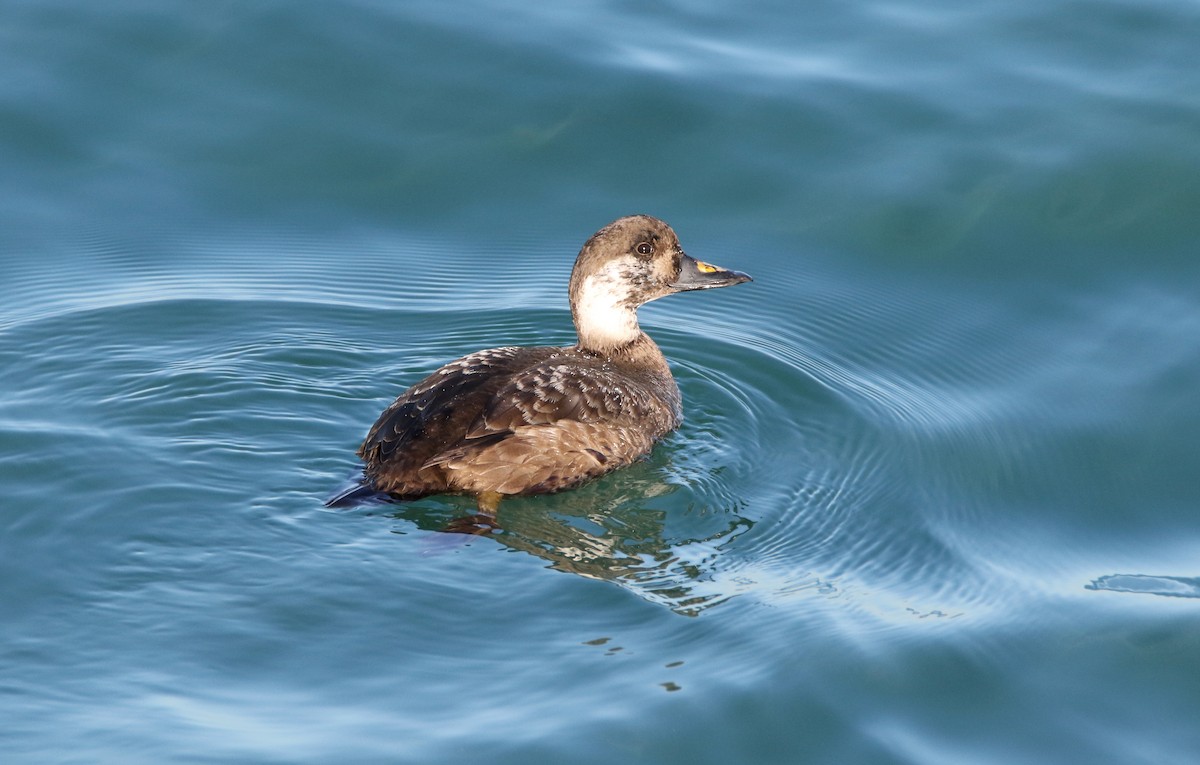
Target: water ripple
[(364, 270), (817, 464)]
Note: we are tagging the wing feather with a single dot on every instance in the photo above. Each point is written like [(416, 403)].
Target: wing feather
[(517, 420), (435, 413)]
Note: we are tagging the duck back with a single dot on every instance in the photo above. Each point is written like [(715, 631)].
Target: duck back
[(521, 421)]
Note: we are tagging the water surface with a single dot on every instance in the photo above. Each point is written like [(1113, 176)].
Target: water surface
[(935, 497)]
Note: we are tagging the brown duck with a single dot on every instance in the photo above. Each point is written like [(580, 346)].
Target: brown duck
[(514, 420)]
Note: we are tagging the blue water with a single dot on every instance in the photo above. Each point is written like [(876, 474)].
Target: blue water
[(936, 496)]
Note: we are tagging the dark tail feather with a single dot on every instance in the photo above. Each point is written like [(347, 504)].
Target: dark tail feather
[(356, 491)]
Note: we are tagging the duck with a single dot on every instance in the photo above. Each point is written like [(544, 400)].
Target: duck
[(516, 421)]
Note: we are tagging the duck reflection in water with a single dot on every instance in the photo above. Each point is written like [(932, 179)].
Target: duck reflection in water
[(617, 530)]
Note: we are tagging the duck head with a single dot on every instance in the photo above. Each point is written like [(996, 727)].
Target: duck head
[(629, 262)]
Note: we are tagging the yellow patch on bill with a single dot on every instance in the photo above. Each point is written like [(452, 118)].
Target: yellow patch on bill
[(706, 268)]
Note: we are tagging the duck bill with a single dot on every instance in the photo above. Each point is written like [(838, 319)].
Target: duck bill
[(698, 275)]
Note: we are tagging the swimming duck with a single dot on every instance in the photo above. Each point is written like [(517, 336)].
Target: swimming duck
[(513, 420)]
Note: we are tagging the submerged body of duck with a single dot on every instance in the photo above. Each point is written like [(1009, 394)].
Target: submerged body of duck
[(533, 420)]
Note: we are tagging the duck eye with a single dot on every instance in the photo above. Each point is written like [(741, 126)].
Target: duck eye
[(645, 248)]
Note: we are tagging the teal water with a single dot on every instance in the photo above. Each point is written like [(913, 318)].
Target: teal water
[(936, 497)]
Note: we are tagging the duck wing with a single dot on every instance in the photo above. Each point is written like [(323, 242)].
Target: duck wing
[(554, 390), (435, 413), (557, 424)]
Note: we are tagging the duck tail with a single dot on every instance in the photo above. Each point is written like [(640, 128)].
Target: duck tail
[(355, 491)]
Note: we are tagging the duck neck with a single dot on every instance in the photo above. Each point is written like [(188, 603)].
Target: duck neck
[(604, 318)]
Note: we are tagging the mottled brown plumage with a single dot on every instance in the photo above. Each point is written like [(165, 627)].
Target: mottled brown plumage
[(515, 420)]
